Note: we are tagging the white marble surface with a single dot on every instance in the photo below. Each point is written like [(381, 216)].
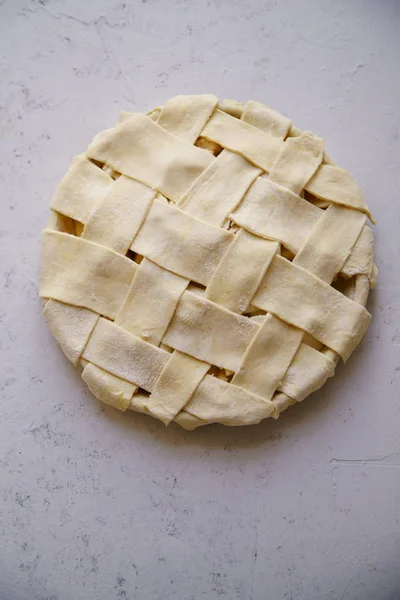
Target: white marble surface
[(99, 505)]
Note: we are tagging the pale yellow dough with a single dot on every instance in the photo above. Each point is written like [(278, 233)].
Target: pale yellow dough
[(209, 332), (85, 274), (143, 150), (188, 262), (321, 310), (81, 188), (188, 246)]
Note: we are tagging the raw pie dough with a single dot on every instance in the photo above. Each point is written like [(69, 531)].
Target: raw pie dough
[(207, 262)]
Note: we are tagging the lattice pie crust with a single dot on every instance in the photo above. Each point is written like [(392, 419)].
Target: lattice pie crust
[(189, 259)]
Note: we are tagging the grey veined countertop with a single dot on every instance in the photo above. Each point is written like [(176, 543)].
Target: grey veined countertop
[(99, 505)]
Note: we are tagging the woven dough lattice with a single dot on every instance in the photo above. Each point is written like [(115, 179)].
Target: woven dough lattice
[(207, 262)]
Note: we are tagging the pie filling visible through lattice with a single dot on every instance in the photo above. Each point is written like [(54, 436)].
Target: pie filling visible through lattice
[(207, 262)]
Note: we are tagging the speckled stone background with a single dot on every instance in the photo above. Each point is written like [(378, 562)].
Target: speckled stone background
[(99, 505)]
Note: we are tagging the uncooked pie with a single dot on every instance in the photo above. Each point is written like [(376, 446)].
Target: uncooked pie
[(207, 262)]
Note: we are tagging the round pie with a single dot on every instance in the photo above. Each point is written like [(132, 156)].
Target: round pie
[(207, 262)]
